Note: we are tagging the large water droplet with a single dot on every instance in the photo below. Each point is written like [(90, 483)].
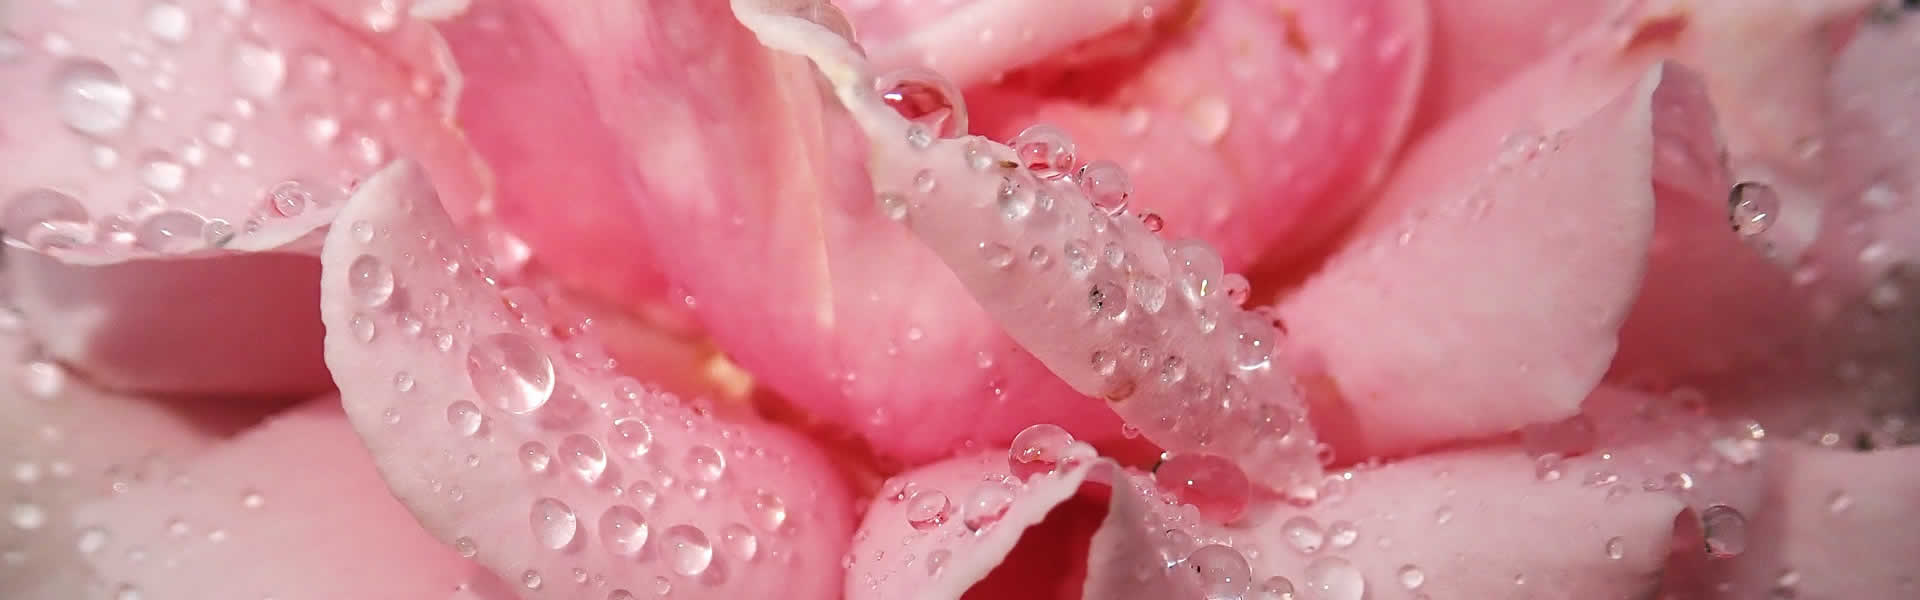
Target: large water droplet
[(1197, 269), (91, 98), (1276, 588), (1037, 449), (687, 549), (739, 541), (928, 509), (1754, 207), (170, 232), (1046, 150), (465, 417), (630, 437), (1726, 531), (1106, 185), (1219, 572), (769, 512), (623, 530), (554, 523), (533, 456), (508, 372), (986, 505), (1304, 534), (1616, 548), (1334, 578), (583, 456), (258, 71), (1411, 577), (370, 281), (1210, 483), (926, 98), (705, 463)]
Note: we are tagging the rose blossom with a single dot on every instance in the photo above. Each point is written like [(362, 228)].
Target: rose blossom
[(1109, 299)]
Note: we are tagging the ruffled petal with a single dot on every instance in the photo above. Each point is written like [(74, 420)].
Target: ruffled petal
[(513, 442)]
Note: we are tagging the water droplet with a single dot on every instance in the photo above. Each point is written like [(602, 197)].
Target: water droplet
[(996, 255), (1106, 185), (465, 417), (1221, 573), (1210, 483), (1411, 577), (1253, 347), (928, 509), (1276, 588), (768, 510), (1079, 257), (42, 218), (925, 98), (583, 456), (1342, 534), (1616, 548), (739, 541), (531, 579), (168, 22), (1726, 531), (1038, 449), (894, 206), (630, 437), (1754, 207), (258, 71), (705, 463), (91, 98), (1209, 118), (27, 516), (1548, 467), (554, 523), (1198, 269), (623, 530), (1334, 578), (127, 592), (533, 455), (170, 231), (1015, 203), (1105, 299), (986, 505), (466, 547), (1839, 502), (289, 198), (1304, 534), (1046, 150), (370, 281), (688, 551), (508, 372), (937, 562)]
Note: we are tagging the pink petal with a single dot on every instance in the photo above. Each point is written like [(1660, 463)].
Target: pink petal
[(1872, 201), (65, 443), (199, 125), (456, 383), (185, 326), (1485, 292), (1479, 44), (1100, 301), (292, 509), (1835, 524), (1260, 128)]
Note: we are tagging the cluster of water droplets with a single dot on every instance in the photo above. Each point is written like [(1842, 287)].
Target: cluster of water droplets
[(184, 168)]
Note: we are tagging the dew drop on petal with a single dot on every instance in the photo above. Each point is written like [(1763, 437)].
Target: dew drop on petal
[(370, 281), (1220, 573), (533, 456), (928, 509), (986, 505), (465, 417), (739, 541), (1210, 483), (1616, 548), (91, 98), (1303, 534), (1754, 207), (630, 437), (1106, 185), (508, 372), (1037, 449), (769, 512), (1334, 578), (687, 550), (1726, 531), (1411, 577), (925, 98), (1276, 588), (554, 523), (583, 456), (1046, 150), (258, 71), (706, 464), (623, 530)]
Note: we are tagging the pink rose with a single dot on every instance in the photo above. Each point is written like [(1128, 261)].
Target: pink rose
[(1332, 299)]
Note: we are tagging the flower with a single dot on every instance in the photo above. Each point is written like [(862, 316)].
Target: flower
[(1227, 299)]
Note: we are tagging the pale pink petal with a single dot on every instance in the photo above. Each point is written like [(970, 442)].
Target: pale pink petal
[(192, 126), (513, 441), (292, 509), (1875, 196), (1479, 44), (65, 442), (1486, 290), (180, 326), (1834, 524), (1103, 302)]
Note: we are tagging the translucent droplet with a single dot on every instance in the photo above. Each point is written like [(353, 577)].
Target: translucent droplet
[(1411, 577), (894, 206), (554, 523), (769, 512), (161, 171), (168, 22), (1198, 270), (533, 456), (687, 550), (1276, 588), (170, 232), (1304, 534), (996, 255), (508, 372), (466, 547), (739, 541), (91, 98), (258, 71), (1616, 548), (370, 281), (1106, 300), (630, 437), (623, 530), (706, 464), (1334, 578), (1342, 534), (27, 516), (1079, 257), (42, 218), (986, 505), (1106, 185), (1046, 150), (289, 198), (1210, 483), (583, 456), (1037, 449), (531, 579), (1754, 207), (91, 540), (1548, 467), (1219, 572), (926, 98), (1726, 531), (1253, 347), (1015, 203), (928, 509), (465, 417)]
